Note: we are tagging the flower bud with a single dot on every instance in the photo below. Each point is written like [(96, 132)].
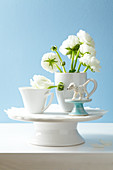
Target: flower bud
[(54, 48), (63, 63), (60, 86)]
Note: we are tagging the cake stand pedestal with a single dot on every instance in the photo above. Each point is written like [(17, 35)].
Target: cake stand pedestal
[(79, 108), (55, 128), (56, 134)]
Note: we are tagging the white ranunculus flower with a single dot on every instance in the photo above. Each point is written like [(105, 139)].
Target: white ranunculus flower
[(85, 59), (70, 42), (40, 82), (86, 48), (73, 40), (49, 61), (95, 64), (91, 61), (85, 38)]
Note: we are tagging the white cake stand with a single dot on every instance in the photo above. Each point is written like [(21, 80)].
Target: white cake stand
[(54, 127)]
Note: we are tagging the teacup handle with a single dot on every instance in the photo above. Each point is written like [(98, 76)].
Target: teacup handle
[(94, 88), (50, 101)]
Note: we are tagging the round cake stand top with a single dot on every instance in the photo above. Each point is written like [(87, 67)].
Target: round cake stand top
[(53, 115)]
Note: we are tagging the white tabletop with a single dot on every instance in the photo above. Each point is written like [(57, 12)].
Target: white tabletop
[(14, 139), (89, 156)]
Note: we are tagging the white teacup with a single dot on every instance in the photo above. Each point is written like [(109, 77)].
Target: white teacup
[(35, 99)]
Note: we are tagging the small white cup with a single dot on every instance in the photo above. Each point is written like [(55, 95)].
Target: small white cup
[(35, 99)]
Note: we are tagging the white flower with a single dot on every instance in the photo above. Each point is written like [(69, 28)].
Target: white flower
[(85, 59), (91, 61), (49, 61), (95, 64), (70, 42), (86, 48), (40, 82), (85, 38)]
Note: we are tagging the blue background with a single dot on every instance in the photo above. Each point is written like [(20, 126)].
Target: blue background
[(28, 28)]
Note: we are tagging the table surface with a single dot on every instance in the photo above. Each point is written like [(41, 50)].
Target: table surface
[(14, 138)]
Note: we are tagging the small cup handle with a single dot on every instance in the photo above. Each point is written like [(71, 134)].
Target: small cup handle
[(94, 88), (50, 101)]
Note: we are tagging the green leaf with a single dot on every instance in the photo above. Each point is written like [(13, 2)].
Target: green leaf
[(68, 48), (81, 43), (76, 47), (82, 54), (69, 53), (87, 53)]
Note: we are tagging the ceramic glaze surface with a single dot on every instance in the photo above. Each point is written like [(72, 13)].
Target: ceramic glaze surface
[(56, 134), (54, 115), (35, 99), (79, 108), (55, 128), (81, 89), (67, 78)]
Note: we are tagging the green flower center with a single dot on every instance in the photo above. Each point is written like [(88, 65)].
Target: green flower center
[(51, 61)]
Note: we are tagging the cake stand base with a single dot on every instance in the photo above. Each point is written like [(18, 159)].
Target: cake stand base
[(56, 134), (55, 128)]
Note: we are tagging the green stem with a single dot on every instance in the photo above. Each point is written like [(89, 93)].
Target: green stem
[(50, 87), (76, 58), (79, 67), (60, 61), (72, 60), (58, 55), (58, 68), (85, 69), (64, 69), (75, 62)]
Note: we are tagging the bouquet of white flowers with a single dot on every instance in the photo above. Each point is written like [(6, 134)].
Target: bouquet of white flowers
[(78, 48)]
